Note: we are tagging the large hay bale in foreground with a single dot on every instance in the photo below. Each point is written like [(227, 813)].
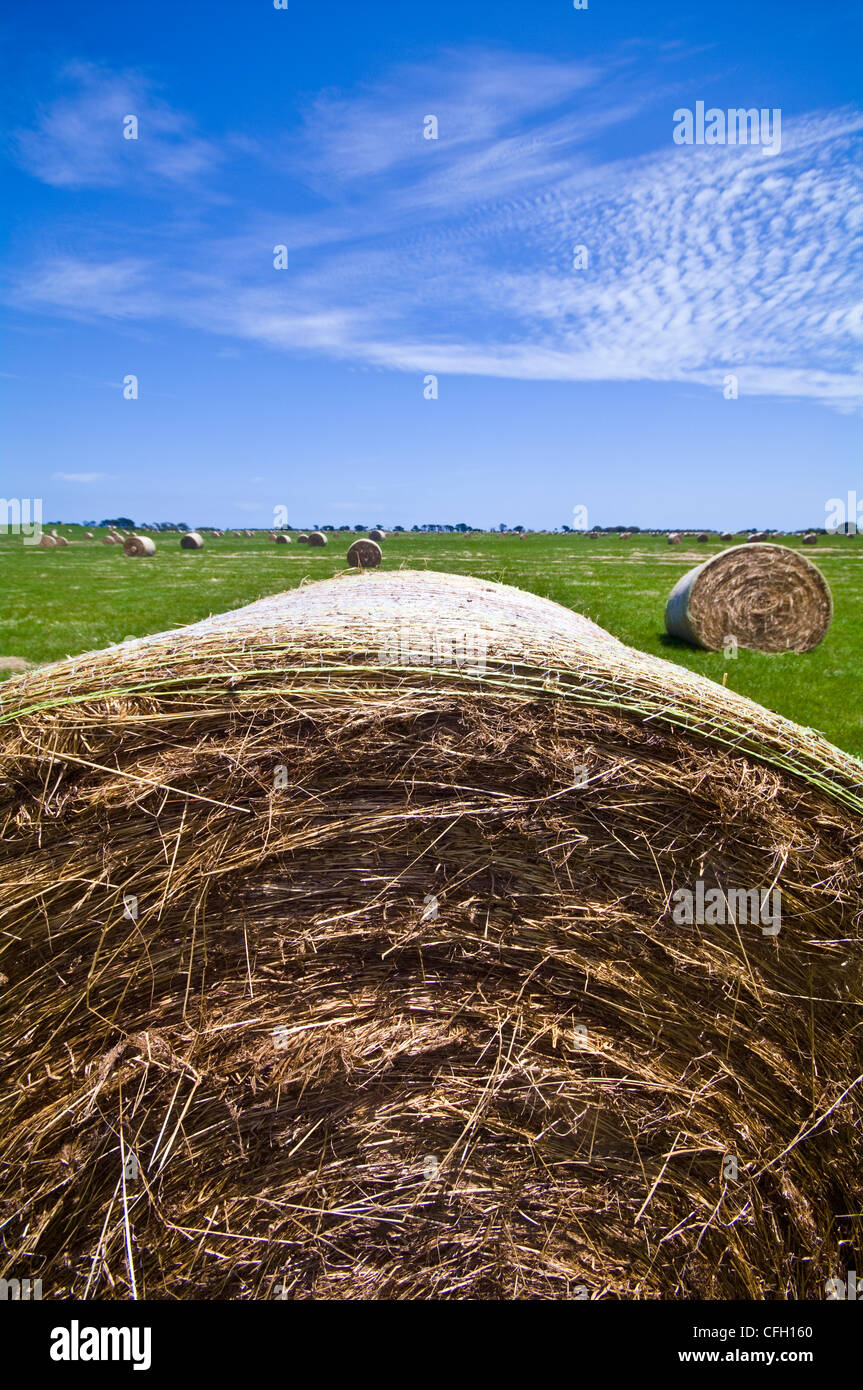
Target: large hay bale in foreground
[(344, 927), (364, 554), (139, 545), (192, 540), (767, 597)]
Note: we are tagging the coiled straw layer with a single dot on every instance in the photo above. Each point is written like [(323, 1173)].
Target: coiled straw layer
[(767, 597)]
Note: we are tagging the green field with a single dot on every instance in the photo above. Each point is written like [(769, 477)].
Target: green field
[(88, 595)]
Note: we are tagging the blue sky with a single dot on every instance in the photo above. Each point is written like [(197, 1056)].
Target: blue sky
[(558, 386)]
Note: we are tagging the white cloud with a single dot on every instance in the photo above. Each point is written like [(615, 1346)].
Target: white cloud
[(83, 477), (78, 141), (456, 255)]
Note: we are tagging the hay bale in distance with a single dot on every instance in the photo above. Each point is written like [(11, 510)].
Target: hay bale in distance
[(317, 538), (768, 597), (377, 535), (191, 540), (88, 535), (364, 554), (139, 545), (757, 537), (282, 539), (626, 535), (302, 538), (674, 538), (47, 542), (110, 540), (702, 537), (810, 538), (465, 1036), (726, 536)]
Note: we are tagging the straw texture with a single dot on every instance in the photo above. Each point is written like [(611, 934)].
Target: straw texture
[(767, 597), (347, 917)]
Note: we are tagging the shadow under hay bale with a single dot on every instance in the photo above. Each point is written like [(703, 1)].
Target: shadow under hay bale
[(364, 554), (353, 918), (768, 598)]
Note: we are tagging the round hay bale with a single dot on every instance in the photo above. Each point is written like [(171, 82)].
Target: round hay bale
[(377, 535), (282, 539), (139, 545), (110, 540), (769, 598), (317, 538), (726, 536), (302, 538), (47, 542), (88, 535), (626, 535), (416, 959), (702, 537), (674, 538), (191, 540), (810, 538), (62, 540), (757, 537), (364, 554)]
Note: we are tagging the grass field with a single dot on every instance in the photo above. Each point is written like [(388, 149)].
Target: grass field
[(87, 595)]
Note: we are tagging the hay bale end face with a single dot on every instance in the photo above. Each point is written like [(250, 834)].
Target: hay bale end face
[(767, 597), (282, 539), (364, 554), (377, 535), (674, 538), (386, 921), (810, 538), (317, 538), (191, 540), (134, 546), (702, 537), (302, 538)]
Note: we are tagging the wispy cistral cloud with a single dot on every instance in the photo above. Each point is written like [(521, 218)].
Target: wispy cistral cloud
[(78, 139), (458, 254), (83, 477)]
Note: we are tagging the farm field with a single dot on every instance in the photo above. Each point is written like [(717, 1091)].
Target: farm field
[(87, 595)]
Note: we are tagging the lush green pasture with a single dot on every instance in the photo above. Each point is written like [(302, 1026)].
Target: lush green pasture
[(87, 595)]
